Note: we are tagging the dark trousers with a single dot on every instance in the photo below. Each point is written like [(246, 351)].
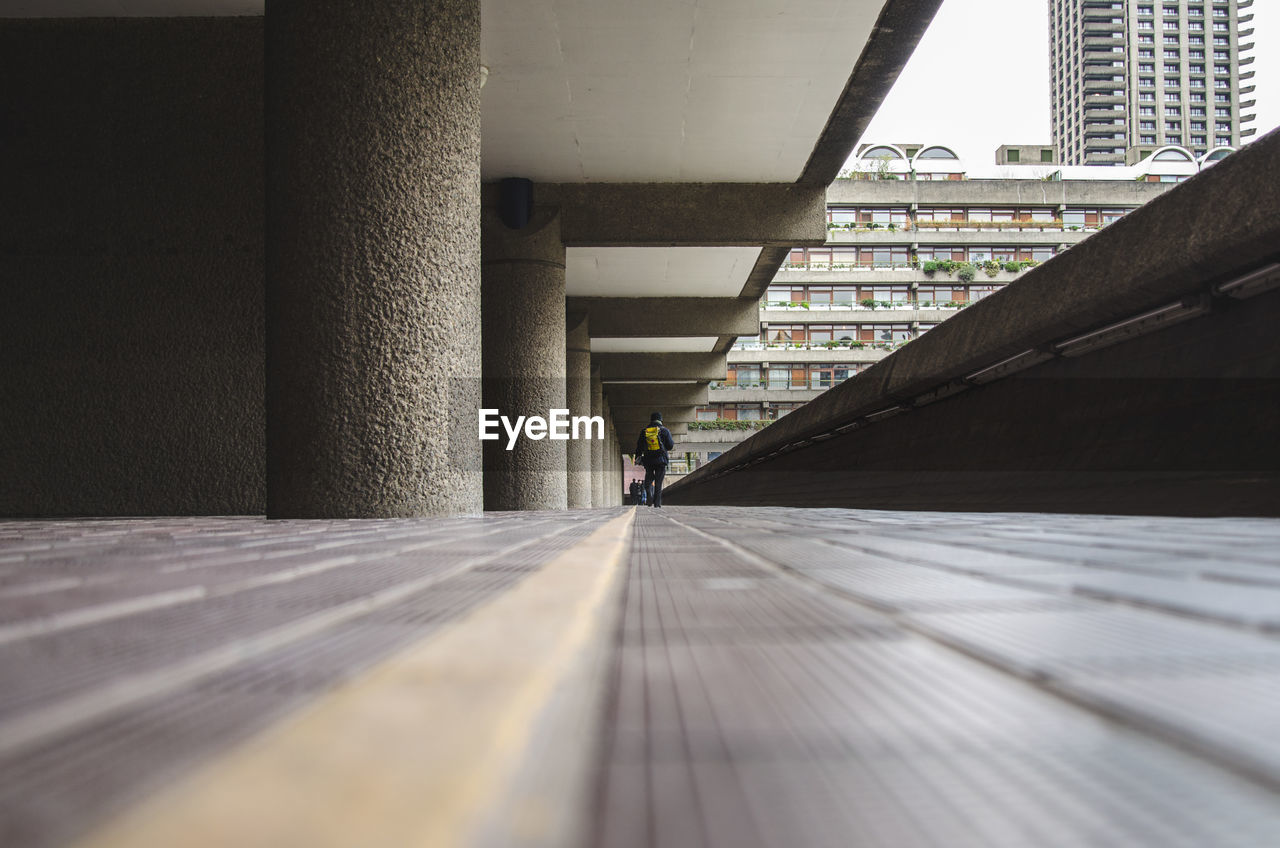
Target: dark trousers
[(653, 475)]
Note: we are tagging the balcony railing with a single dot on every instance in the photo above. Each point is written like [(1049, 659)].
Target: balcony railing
[(859, 306), (958, 226), (819, 385)]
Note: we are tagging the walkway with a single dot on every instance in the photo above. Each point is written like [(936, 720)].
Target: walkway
[(696, 676)]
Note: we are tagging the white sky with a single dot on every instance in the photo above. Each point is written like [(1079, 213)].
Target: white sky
[(980, 79)]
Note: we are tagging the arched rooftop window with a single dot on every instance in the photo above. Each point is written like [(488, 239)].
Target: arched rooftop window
[(1172, 154), (937, 153), (1218, 154), (883, 152)]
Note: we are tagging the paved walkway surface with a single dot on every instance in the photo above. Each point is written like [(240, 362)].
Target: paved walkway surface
[(692, 676)]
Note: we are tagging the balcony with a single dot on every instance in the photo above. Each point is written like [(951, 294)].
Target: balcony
[(894, 313), (760, 392), (804, 352), (1106, 86), (1104, 158)]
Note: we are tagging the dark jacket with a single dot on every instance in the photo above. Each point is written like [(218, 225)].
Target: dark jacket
[(658, 457)]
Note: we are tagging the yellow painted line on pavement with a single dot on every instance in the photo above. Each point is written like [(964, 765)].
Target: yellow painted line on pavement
[(412, 753)]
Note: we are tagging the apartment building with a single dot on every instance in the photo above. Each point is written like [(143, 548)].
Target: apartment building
[(1130, 76)]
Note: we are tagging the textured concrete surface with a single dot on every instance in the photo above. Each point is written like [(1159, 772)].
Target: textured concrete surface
[(597, 446), (647, 317), (1177, 246), (658, 395), (639, 367), (901, 25), (578, 400), (131, 250), (687, 214), (1176, 422), (373, 277), (997, 192), (524, 356), (768, 677)]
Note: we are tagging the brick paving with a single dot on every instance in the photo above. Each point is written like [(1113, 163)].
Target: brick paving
[(781, 677)]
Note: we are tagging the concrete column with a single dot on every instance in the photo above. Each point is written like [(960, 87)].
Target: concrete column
[(372, 258), (597, 446), (522, 300), (606, 468), (578, 395)]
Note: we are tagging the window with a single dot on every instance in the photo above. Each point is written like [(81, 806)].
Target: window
[(869, 215), (744, 375), (941, 295), (1046, 156)]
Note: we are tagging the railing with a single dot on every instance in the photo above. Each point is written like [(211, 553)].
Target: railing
[(859, 306), (961, 226), (809, 386), (827, 345)]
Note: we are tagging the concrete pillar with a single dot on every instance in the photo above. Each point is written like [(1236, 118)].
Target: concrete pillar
[(578, 395), (372, 142), (597, 446), (606, 468), (522, 309)]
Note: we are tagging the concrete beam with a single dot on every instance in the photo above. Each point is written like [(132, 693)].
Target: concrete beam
[(666, 317), (670, 414), (768, 263), (685, 214), (898, 30), (628, 431), (658, 395), (638, 367)]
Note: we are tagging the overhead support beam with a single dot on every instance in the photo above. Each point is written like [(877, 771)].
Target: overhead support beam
[(685, 214), (671, 414), (669, 317), (629, 431), (767, 266), (657, 395), (901, 25), (641, 367)]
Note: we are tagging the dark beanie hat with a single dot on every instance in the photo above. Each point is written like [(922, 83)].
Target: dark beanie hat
[(655, 416)]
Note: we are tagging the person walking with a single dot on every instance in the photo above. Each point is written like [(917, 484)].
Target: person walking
[(651, 448)]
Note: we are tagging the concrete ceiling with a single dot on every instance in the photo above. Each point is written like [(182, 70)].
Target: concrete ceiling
[(658, 271), (663, 90)]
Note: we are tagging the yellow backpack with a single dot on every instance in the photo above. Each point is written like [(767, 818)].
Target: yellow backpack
[(651, 440)]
